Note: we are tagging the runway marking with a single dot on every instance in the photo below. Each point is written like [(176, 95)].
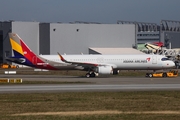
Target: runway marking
[(76, 113)]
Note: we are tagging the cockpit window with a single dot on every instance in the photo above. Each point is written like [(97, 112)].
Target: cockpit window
[(164, 59)]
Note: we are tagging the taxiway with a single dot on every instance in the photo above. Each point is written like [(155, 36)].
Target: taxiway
[(91, 84)]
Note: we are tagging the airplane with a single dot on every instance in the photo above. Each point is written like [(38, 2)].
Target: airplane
[(152, 47), (93, 64), (172, 54)]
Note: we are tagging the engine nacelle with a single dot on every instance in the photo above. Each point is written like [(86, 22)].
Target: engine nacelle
[(104, 70)]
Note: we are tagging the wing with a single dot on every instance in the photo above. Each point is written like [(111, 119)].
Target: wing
[(84, 64)]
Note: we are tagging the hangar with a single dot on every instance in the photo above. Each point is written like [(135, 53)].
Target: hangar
[(87, 38), (72, 38), (77, 38), (168, 32)]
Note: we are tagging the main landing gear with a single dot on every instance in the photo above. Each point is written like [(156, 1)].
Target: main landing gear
[(90, 74)]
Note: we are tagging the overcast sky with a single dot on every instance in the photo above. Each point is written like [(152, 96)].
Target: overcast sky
[(102, 11)]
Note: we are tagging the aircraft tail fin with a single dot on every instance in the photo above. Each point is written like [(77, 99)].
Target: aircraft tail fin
[(151, 46), (25, 56), (22, 52), (18, 46)]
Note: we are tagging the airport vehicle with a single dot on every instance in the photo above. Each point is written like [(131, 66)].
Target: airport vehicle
[(171, 73), (94, 64), (6, 65)]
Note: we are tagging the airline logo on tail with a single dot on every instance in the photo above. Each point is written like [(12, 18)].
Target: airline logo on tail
[(21, 51), (24, 55)]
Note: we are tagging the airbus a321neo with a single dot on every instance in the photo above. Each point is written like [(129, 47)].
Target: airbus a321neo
[(93, 64)]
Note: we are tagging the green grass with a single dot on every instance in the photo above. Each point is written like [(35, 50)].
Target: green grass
[(91, 101)]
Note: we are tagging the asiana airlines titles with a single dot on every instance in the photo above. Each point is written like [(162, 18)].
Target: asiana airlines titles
[(135, 61)]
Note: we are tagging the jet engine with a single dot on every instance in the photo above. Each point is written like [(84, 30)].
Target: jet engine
[(104, 70)]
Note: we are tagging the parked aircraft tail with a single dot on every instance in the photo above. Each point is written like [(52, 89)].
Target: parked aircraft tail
[(22, 53)]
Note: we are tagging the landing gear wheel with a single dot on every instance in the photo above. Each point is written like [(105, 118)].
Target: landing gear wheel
[(150, 75), (92, 74), (9, 66), (88, 75), (164, 75)]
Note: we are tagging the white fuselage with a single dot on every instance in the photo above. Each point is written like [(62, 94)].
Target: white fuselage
[(121, 62)]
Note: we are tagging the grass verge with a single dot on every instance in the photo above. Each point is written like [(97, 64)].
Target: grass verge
[(151, 105)]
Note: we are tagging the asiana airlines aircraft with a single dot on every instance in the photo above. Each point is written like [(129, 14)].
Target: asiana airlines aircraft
[(93, 64)]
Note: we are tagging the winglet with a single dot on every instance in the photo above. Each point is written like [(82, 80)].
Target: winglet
[(61, 57)]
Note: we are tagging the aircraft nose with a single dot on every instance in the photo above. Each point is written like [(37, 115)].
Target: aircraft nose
[(170, 64)]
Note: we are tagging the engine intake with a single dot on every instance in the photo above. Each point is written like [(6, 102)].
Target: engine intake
[(104, 70)]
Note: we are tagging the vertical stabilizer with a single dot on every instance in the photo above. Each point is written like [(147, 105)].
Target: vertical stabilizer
[(21, 51)]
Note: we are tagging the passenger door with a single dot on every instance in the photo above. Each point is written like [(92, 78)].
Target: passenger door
[(154, 59)]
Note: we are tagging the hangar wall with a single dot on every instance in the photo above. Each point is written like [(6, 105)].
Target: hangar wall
[(50, 38), (29, 32), (5, 50), (172, 38), (77, 38)]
